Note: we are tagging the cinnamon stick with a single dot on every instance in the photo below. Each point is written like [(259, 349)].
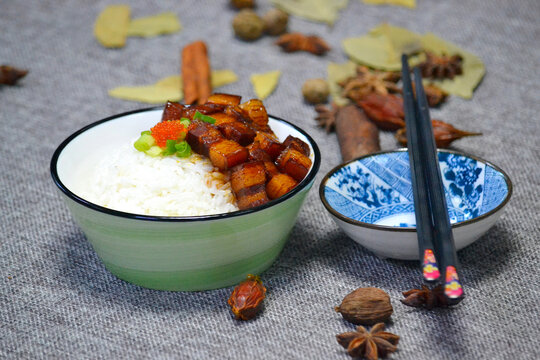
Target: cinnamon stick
[(356, 134), (196, 73)]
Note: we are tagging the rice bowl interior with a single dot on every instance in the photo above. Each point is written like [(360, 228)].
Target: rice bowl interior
[(115, 176)]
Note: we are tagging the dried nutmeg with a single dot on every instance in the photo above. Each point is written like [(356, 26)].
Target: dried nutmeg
[(366, 306), (247, 25), (315, 91), (247, 298), (275, 22)]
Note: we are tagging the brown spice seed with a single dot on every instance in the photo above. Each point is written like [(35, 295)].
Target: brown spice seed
[(386, 111), (247, 298), (293, 42), (366, 306), (9, 75), (444, 134)]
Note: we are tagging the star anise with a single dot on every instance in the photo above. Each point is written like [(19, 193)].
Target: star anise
[(435, 95), (326, 117), (367, 82), (425, 297), (9, 75), (441, 66), (371, 345)]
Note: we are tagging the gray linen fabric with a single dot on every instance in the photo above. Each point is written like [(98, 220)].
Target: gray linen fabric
[(58, 301)]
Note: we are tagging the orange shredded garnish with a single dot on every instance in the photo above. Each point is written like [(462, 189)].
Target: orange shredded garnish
[(168, 130)]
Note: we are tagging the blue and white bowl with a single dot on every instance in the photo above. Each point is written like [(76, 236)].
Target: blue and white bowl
[(371, 199)]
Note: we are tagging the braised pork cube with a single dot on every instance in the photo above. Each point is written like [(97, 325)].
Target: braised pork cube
[(297, 144), (270, 144), (293, 163), (201, 136), (224, 99), (250, 201), (256, 112), (233, 129), (225, 154), (239, 114), (205, 109), (279, 185), (172, 111), (258, 154), (248, 182)]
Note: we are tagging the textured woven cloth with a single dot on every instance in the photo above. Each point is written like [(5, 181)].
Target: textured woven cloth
[(58, 301)]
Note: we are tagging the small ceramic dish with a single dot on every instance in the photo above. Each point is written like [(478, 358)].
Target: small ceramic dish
[(371, 199), (175, 253)]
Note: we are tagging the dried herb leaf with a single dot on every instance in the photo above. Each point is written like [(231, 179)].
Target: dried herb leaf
[(316, 10), (165, 23), (110, 28), (473, 68), (221, 78), (407, 3), (382, 47), (264, 84), (336, 74), (167, 89)]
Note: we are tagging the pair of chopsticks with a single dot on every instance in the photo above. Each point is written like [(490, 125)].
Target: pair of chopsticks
[(435, 239)]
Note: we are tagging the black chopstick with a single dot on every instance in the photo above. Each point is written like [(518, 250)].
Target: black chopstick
[(422, 207), (444, 240)]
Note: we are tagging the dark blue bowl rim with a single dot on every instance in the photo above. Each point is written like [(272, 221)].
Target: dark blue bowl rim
[(54, 173), (342, 217)]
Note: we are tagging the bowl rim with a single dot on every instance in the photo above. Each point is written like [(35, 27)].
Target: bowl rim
[(344, 218), (173, 219)]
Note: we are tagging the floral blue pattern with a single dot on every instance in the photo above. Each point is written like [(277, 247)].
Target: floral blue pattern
[(377, 189)]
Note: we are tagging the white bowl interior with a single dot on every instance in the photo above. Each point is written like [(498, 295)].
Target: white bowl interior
[(377, 190)]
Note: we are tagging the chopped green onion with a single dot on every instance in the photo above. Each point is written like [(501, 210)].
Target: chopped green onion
[(169, 148), (205, 118), (144, 142), (183, 149), (154, 151), (146, 132), (182, 136), (185, 122)]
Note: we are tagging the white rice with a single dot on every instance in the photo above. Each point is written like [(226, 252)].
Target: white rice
[(131, 181)]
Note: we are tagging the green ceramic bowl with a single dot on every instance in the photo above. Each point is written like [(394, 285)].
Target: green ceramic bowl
[(175, 253)]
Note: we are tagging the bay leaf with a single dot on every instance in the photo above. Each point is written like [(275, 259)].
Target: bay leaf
[(316, 10), (264, 84), (407, 3), (382, 47), (165, 23), (222, 77), (473, 68), (167, 89), (110, 28), (336, 73)]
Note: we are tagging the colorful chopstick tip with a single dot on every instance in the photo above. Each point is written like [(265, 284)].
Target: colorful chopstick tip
[(452, 286), (430, 269)]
